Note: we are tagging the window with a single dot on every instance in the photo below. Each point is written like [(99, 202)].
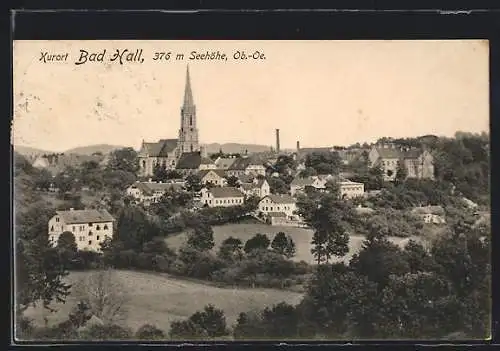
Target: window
[(91, 224), (98, 227), (191, 129), (105, 226), (191, 121), (74, 229), (57, 219), (52, 228), (82, 238), (90, 242), (90, 233), (97, 238)]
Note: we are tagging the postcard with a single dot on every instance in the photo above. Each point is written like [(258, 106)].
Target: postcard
[(251, 190)]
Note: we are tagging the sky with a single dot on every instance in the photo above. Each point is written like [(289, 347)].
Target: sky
[(321, 93)]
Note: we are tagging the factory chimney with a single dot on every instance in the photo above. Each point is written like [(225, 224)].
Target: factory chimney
[(298, 146), (278, 141)]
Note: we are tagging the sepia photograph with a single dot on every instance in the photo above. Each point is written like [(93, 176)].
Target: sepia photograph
[(170, 191)]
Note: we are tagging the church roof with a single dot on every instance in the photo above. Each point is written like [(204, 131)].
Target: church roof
[(189, 160), (159, 149)]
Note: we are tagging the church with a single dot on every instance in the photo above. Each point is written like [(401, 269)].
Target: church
[(168, 152)]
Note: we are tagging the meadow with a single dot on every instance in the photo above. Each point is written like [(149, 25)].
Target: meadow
[(159, 299), (301, 237)]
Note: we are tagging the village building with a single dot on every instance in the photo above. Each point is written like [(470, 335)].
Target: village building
[(246, 166), (222, 197), (151, 192), (258, 187), (224, 162), (193, 162), (417, 163), (299, 185), (278, 203), (430, 214), (168, 152), (215, 177), (350, 190), (90, 227)]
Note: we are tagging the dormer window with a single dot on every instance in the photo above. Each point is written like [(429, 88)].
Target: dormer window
[(105, 226)]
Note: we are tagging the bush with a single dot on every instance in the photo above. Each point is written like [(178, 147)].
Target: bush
[(150, 332)]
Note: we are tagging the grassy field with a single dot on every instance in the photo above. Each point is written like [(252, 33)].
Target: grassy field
[(301, 237), (159, 299)]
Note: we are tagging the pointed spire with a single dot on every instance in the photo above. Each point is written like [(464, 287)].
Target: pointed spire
[(188, 94)]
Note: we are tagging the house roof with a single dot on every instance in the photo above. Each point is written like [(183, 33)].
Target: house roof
[(85, 216), (412, 154), (281, 199), (206, 161), (276, 214), (241, 163), (189, 160), (248, 186), (159, 149), (204, 172), (226, 191), (245, 178), (150, 187), (224, 162), (435, 210), (385, 152)]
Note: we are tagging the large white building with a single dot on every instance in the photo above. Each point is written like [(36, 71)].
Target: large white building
[(278, 203), (222, 197), (90, 227)]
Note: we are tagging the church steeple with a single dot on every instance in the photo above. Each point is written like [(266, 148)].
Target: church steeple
[(188, 93), (188, 133)]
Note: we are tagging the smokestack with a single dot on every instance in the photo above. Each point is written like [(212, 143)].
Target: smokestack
[(298, 146), (277, 140)]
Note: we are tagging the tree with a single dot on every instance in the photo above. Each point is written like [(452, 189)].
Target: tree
[(278, 185), (401, 174), (201, 237), (193, 183), (66, 245), (212, 320), (106, 332), (338, 299), (232, 181), (231, 249), (104, 294), (134, 228), (124, 159), (209, 323), (67, 241), (257, 242), (283, 245), (150, 332), (326, 218), (43, 179), (39, 269), (324, 162)]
